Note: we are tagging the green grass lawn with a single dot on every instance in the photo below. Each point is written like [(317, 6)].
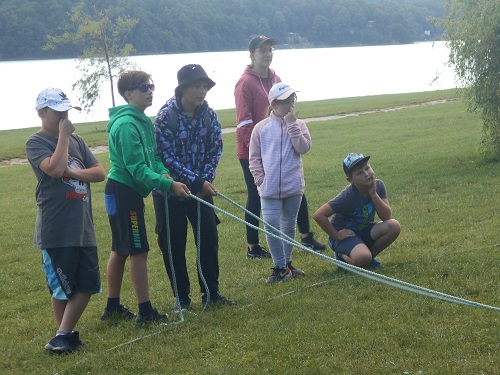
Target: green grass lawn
[(446, 197)]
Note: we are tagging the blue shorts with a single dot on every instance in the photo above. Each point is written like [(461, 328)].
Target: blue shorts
[(70, 269), (346, 245)]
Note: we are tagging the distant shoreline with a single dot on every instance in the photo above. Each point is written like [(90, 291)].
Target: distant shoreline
[(103, 148)]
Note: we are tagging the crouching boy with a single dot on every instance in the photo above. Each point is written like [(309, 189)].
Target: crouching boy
[(354, 236)]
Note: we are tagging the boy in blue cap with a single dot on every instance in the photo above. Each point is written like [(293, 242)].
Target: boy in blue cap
[(354, 236)]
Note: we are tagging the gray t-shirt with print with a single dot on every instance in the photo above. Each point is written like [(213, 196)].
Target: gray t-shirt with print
[(64, 216), (354, 210)]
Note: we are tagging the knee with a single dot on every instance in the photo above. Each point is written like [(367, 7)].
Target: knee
[(361, 259), (394, 227)]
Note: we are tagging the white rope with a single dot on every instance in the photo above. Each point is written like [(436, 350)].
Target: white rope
[(348, 267)]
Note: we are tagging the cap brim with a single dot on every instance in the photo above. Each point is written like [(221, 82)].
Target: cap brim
[(272, 41), (284, 95), (64, 107)]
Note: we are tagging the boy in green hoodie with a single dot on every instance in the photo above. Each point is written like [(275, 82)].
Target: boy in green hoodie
[(136, 169)]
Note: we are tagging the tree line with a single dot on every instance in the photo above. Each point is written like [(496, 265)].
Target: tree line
[(173, 26)]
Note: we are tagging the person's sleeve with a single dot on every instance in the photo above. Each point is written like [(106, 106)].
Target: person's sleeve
[(37, 151), (300, 137), (255, 162), (381, 189), (130, 147), (160, 167), (243, 101), (337, 204), (213, 149)]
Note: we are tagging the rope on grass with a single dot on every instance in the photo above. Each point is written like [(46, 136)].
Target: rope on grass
[(348, 267)]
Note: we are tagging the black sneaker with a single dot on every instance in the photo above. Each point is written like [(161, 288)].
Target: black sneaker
[(154, 316), (121, 312), (309, 241), (74, 339), (295, 271), (375, 264), (279, 275), (257, 252), (217, 298), (183, 304), (62, 344)]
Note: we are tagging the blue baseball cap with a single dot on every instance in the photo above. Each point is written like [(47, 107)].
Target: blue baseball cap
[(353, 159)]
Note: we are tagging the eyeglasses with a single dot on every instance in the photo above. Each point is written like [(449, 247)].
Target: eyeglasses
[(265, 51), (145, 87)]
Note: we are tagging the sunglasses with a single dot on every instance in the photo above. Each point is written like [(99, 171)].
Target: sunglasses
[(145, 87)]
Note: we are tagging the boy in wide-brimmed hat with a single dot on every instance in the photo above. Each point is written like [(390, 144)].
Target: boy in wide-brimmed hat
[(189, 142)]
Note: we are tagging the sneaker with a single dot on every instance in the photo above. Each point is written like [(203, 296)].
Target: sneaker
[(154, 316), (217, 298), (75, 341), (63, 344), (375, 264), (181, 304), (295, 271), (310, 242), (279, 275), (257, 252), (121, 312)]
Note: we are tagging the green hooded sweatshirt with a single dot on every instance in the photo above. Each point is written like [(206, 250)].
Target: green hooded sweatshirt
[(132, 151)]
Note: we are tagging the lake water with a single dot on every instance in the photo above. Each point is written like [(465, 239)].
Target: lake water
[(318, 73)]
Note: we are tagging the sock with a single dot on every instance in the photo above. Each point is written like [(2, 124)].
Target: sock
[(61, 333), (145, 308), (113, 304)]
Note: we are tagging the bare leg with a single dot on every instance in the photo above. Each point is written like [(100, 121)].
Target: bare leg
[(115, 270), (58, 306), (360, 256), (139, 276), (73, 311), (384, 234)]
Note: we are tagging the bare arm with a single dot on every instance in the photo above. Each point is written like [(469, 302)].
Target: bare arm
[(382, 206), (321, 216), (56, 165), (95, 173)]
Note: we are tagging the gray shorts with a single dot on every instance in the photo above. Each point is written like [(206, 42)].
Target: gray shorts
[(71, 269), (346, 245)]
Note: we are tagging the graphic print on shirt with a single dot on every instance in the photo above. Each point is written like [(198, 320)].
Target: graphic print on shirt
[(364, 215), (80, 187)]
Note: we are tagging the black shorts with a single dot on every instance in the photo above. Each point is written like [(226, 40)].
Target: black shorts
[(70, 269), (125, 208)]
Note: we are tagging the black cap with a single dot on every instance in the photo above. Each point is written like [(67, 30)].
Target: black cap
[(260, 40), (353, 159), (191, 73)]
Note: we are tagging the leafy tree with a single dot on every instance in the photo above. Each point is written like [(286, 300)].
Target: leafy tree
[(472, 28), (105, 52)]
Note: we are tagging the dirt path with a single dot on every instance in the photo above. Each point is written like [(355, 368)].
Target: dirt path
[(102, 149)]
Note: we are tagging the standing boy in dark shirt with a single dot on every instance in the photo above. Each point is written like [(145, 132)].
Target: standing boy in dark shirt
[(64, 167)]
